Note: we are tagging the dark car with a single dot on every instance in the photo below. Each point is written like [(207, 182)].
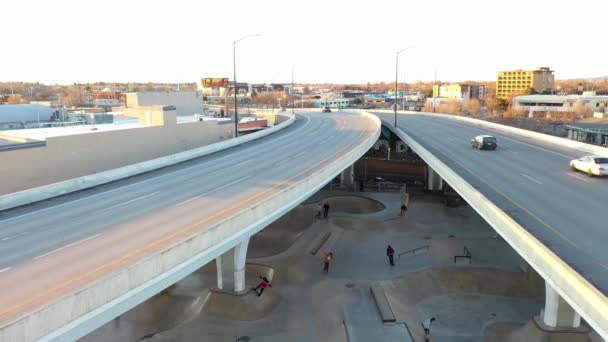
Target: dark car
[(484, 142), (326, 110)]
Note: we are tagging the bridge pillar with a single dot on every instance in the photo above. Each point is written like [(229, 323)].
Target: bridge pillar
[(434, 182), (231, 268), (557, 312), (347, 177)]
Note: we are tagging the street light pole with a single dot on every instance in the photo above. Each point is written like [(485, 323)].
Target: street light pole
[(396, 79), (236, 113)]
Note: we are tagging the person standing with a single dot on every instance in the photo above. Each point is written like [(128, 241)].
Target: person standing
[(390, 252), (426, 324), (326, 209), (329, 257), (262, 285)]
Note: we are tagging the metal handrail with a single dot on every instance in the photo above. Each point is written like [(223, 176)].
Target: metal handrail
[(412, 251)]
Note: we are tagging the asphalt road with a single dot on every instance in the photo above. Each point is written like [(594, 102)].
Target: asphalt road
[(47, 247), (532, 182)]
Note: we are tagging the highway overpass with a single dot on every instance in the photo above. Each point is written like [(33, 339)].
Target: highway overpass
[(553, 217), (70, 264)]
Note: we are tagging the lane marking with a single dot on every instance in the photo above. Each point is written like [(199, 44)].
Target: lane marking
[(577, 177), (67, 246), (243, 163), (532, 179), (299, 154), (283, 161), (127, 202), (5, 269), (210, 191), (180, 232), (14, 236)]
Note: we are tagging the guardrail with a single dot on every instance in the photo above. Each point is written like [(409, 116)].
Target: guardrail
[(61, 188), (413, 251), (588, 301)]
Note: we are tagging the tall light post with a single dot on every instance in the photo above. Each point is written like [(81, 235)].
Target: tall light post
[(396, 78), (236, 113), (293, 100)]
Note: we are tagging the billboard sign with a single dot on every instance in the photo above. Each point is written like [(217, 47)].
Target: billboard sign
[(215, 82)]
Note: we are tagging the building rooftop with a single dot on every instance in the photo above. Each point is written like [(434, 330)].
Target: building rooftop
[(25, 113)]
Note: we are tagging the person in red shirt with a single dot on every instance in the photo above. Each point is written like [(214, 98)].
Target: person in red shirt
[(390, 252), (264, 284), (329, 257)]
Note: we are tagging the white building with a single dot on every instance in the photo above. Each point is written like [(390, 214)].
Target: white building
[(561, 103), (333, 103), (26, 116), (186, 102)]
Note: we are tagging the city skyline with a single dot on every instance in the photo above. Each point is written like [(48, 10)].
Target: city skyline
[(339, 42)]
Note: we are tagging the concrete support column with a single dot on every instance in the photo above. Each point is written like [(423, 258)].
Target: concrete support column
[(347, 177), (434, 180), (231, 268), (240, 259), (557, 312)]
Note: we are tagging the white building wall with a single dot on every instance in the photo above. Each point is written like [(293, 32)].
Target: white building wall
[(187, 102)]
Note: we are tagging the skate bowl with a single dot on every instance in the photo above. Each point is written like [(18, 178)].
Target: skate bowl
[(405, 293), (349, 204), (281, 234)]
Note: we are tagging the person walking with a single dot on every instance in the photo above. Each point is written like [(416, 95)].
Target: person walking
[(426, 324), (262, 285), (329, 257), (390, 252), (403, 209), (326, 209)]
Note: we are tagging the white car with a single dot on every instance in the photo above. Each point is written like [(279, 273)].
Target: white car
[(592, 165)]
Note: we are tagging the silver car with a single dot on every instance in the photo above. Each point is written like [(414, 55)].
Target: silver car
[(592, 165)]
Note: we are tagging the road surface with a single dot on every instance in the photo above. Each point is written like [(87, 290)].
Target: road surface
[(52, 248)]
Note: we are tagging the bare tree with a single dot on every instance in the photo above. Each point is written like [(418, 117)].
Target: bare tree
[(581, 108), (491, 105), (473, 106)]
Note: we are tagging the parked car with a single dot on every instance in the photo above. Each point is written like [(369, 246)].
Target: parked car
[(326, 110), (592, 165), (484, 142)]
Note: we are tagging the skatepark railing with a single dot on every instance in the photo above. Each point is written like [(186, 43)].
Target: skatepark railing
[(413, 251)]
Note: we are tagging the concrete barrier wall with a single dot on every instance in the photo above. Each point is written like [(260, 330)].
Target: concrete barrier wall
[(545, 138), (590, 303), (83, 311), (74, 163)]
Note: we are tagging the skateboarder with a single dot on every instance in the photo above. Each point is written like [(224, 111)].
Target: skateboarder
[(262, 285), (390, 252), (426, 324), (329, 257)]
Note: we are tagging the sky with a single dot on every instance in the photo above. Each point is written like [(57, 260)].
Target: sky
[(330, 41)]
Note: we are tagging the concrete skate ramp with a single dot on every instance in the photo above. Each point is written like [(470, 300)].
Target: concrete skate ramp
[(281, 234), (353, 205), (405, 292), (248, 307)]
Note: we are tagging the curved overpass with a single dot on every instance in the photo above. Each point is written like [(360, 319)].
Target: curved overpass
[(554, 217), (78, 261)]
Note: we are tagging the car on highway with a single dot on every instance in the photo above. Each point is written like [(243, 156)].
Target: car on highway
[(484, 142), (326, 110), (592, 165)]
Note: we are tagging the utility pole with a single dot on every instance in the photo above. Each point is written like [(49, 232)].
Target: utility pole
[(293, 101), (236, 113)]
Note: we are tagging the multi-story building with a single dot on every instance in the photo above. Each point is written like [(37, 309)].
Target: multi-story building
[(508, 82), (459, 91)]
